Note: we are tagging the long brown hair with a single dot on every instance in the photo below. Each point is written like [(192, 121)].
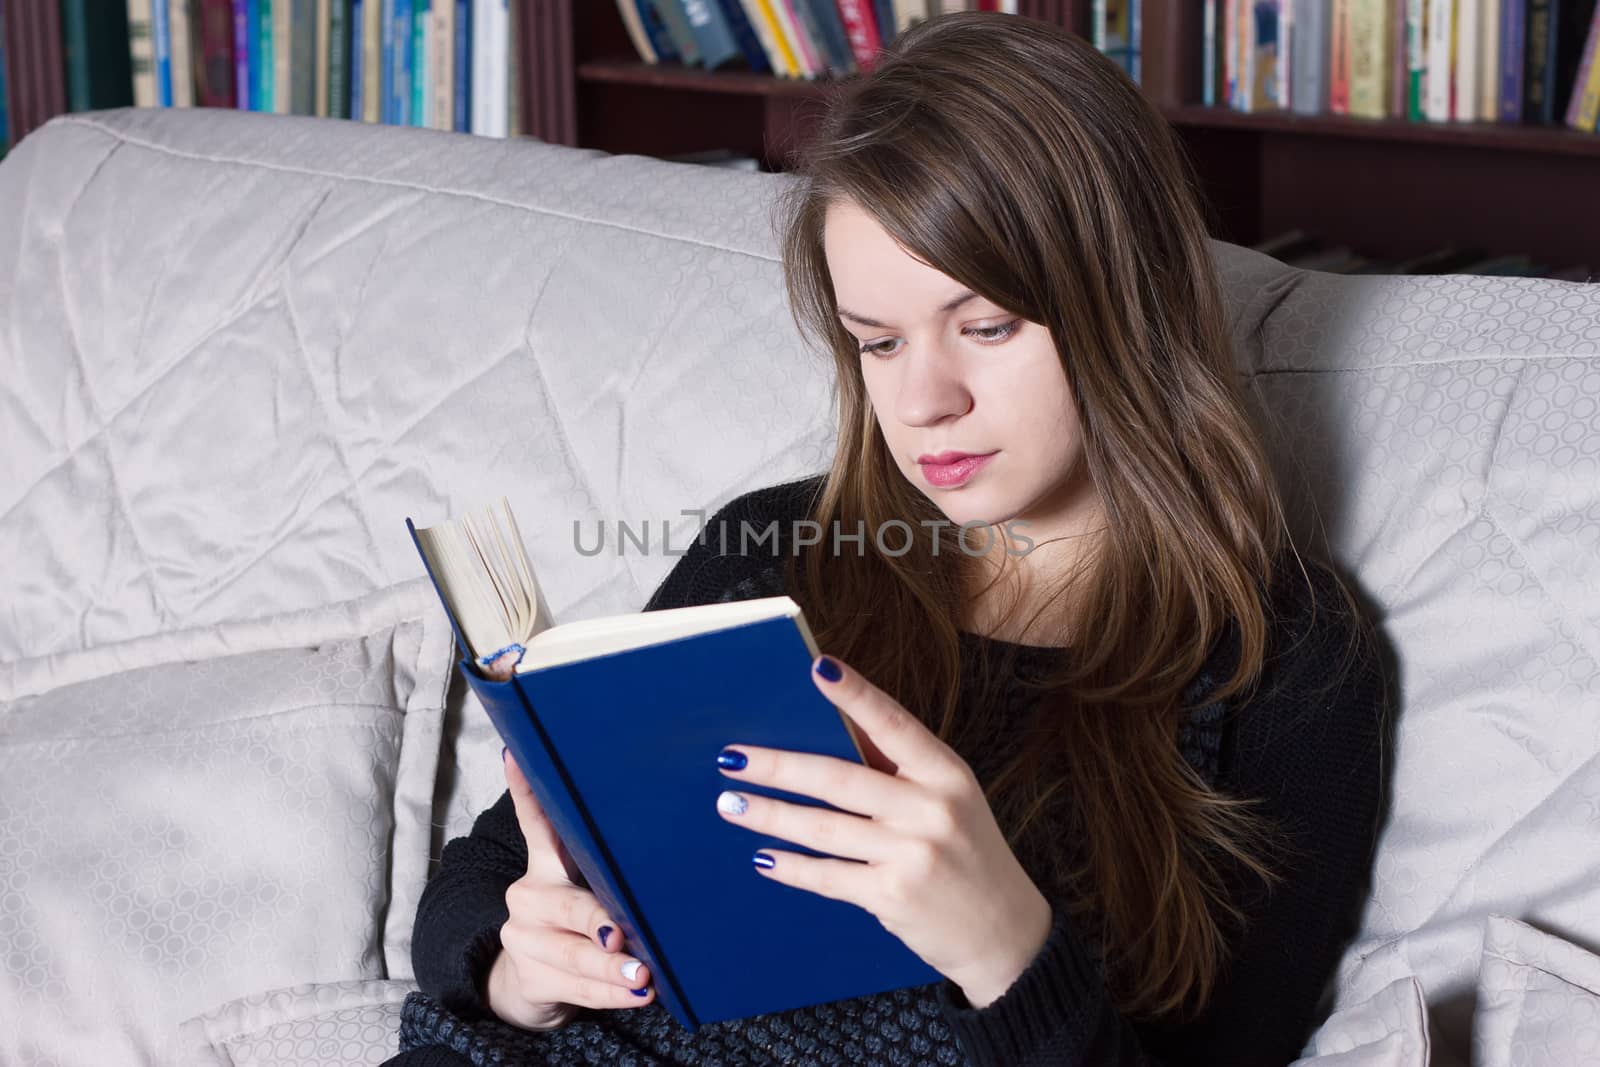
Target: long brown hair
[(1019, 161)]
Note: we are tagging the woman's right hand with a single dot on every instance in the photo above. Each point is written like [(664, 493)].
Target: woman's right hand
[(559, 950)]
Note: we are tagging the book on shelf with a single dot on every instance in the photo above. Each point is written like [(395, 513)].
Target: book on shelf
[(616, 723), (1534, 62)]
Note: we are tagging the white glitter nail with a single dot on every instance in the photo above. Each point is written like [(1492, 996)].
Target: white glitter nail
[(630, 970), (731, 803)]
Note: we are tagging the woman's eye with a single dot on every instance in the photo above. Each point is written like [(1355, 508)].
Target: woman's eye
[(986, 334)]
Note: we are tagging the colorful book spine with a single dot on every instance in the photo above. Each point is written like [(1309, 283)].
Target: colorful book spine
[(358, 65), (1369, 59), (861, 30), (1439, 105), (744, 33), (417, 109), (161, 43), (1513, 29), (141, 54), (1538, 70), (1339, 59), (339, 59), (402, 63), (462, 99), (1417, 60), (1583, 112), (241, 54), (265, 66)]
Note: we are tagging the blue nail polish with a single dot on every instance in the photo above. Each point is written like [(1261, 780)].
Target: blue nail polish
[(730, 760), (829, 669), (640, 992), (764, 861), (605, 934)]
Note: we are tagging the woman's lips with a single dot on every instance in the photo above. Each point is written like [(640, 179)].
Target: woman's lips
[(950, 469)]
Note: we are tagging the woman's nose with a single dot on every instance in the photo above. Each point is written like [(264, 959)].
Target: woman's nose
[(931, 389)]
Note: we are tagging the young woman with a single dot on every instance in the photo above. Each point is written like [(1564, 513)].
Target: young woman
[(1125, 741)]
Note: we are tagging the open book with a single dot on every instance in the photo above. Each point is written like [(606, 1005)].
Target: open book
[(616, 723)]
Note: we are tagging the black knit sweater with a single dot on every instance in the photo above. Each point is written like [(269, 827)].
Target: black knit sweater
[(1309, 742)]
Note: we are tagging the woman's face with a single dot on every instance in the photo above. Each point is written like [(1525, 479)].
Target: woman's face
[(949, 372)]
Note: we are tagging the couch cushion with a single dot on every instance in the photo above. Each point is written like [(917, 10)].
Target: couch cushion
[(188, 819)]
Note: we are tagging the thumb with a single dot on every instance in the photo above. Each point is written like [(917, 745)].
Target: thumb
[(544, 846)]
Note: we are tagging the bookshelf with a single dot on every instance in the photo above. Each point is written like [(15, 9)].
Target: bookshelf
[(1389, 188)]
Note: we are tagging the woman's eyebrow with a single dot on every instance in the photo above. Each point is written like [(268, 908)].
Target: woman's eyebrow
[(948, 306)]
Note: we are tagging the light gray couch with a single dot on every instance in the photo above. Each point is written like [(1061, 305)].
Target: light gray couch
[(237, 350)]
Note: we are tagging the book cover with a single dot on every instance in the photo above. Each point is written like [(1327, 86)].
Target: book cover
[(661, 39), (1513, 27), (94, 40), (1583, 113), (675, 875)]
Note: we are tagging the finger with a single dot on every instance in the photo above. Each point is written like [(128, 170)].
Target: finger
[(833, 832), (544, 846), (572, 956), (897, 733), (835, 879), (540, 983), (843, 783), (565, 907)]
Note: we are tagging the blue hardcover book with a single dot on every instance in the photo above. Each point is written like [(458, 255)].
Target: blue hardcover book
[(660, 34), (421, 79), (825, 17), (711, 32), (649, 700), (745, 35), (883, 13), (400, 106)]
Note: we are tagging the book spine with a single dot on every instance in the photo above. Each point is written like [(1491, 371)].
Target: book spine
[(1208, 54), (183, 64), (1489, 62), (462, 100), (1536, 62), (744, 36), (1367, 59), (241, 54), (1441, 80), (358, 58), (763, 31), (339, 30), (1512, 29), (512, 713), (303, 57), (861, 31), (1468, 16), (161, 43), (417, 109), (1417, 60), (1339, 59), (142, 52), (1583, 113)]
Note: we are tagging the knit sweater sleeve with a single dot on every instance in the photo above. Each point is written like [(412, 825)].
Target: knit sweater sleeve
[(1309, 744), (456, 933)]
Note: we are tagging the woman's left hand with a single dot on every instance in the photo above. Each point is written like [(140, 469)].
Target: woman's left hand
[(936, 871)]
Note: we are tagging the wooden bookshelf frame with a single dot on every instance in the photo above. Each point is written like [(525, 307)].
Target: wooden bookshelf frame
[(1389, 188)]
